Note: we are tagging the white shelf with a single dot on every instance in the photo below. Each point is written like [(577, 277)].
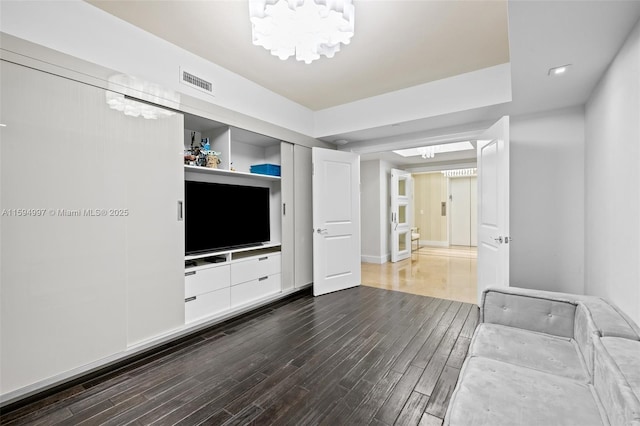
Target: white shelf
[(238, 250), (222, 172)]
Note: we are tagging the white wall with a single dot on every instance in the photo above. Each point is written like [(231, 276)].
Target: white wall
[(375, 201), (547, 201), (81, 30), (477, 89), (370, 202), (612, 255)]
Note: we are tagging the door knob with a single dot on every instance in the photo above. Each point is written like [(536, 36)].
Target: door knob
[(321, 231), (498, 240)]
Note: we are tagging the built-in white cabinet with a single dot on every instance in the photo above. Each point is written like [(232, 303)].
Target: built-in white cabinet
[(207, 290), (245, 276), (217, 284), (92, 253), (239, 149), (254, 278), (91, 247)]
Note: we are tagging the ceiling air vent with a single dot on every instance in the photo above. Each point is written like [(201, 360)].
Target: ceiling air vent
[(196, 82)]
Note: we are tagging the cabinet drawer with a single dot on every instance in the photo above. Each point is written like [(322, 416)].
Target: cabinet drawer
[(255, 289), (252, 269), (206, 304), (206, 280)]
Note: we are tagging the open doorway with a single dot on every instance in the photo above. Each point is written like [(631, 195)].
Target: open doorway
[(437, 266), (488, 151), (443, 260)]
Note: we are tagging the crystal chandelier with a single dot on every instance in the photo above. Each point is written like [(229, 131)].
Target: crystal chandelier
[(306, 28), (460, 172), (427, 151)]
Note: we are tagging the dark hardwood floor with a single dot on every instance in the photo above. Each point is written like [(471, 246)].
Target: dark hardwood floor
[(355, 357)]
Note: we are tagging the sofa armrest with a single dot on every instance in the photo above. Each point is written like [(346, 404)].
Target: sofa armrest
[(534, 310)]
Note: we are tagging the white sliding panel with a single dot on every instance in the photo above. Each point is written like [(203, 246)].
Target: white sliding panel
[(288, 212), (63, 267), (155, 230), (92, 247)]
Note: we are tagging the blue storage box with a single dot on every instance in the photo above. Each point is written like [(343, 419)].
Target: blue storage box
[(266, 169)]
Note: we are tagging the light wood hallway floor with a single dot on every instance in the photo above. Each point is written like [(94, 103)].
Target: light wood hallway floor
[(362, 356), (446, 273)]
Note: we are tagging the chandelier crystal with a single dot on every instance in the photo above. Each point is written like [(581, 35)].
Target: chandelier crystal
[(427, 151), (304, 28), (460, 172)]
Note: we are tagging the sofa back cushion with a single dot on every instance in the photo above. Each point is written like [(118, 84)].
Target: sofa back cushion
[(584, 331), (529, 312), (616, 364), (609, 321)]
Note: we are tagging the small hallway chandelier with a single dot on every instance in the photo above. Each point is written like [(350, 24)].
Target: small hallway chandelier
[(427, 151), (306, 28)]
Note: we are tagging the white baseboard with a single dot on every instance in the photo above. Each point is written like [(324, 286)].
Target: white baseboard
[(375, 259)]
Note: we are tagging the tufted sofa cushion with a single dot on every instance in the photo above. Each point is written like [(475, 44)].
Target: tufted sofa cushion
[(491, 392), (538, 351), (535, 312)]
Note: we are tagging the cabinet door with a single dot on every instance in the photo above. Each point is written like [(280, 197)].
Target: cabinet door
[(303, 216), (288, 212), (155, 230), (63, 262)]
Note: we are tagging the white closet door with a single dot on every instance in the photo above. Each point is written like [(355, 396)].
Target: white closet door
[(91, 245), (155, 231), (288, 213), (63, 270), (303, 216)]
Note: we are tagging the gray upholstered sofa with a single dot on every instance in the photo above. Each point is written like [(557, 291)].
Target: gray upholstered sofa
[(544, 358)]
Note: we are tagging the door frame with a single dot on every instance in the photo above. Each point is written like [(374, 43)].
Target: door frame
[(396, 201)]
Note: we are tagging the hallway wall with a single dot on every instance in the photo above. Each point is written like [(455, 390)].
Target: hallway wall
[(612, 205), (375, 204), (547, 201), (430, 189)]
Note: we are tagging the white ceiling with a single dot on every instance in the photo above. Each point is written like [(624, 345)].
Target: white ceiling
[(401, 44), (397, 44)]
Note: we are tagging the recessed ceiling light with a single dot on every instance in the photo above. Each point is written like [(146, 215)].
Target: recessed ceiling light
[(561, 70)]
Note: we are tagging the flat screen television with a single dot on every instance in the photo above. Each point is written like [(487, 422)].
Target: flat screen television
[(221, 216)]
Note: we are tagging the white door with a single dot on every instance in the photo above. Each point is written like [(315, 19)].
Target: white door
[(493, 207), (460, 211), (336, 220), (401, 207)]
